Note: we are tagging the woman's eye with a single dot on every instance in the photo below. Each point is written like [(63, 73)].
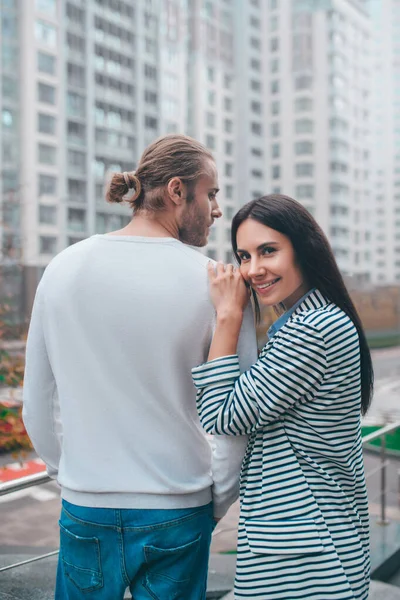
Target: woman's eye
[(243, 257), (267, 250), (212, 196)]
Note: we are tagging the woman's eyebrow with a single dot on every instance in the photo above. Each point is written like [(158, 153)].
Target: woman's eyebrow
[(260, 247)]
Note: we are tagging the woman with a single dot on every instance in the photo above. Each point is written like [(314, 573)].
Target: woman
[(303, 527)]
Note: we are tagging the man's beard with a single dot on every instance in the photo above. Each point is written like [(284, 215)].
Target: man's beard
[(193, 227)]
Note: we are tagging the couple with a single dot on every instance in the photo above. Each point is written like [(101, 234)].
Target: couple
[(126, 326)]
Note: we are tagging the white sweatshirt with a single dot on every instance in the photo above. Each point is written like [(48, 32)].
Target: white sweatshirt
[(109, 404)]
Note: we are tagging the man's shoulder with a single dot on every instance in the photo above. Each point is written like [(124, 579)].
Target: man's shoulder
[(194, 255), (72, 253)]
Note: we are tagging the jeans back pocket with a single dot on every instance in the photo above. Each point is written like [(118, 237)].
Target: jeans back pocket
[(81, 560), (170, 570)]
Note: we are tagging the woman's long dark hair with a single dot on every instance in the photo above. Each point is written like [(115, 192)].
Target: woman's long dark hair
[(316, 261)]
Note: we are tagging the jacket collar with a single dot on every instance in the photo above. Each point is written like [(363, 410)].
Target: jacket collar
[(313, 299)]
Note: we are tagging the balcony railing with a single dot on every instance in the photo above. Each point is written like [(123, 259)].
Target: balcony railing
[(40, 478)]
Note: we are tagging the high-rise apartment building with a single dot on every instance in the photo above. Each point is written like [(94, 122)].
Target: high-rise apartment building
[(284, 93), (385, 88), (11, 97), (318, 99)]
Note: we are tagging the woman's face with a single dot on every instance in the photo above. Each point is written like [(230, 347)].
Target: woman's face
[(268, 264)]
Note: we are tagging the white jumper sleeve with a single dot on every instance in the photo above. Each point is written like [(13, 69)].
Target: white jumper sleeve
[(228, 451), (40, 401)]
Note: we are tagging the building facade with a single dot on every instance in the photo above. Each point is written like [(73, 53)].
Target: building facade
[(291, 96)]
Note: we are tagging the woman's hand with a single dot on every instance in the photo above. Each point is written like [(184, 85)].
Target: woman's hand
[(228, 290)]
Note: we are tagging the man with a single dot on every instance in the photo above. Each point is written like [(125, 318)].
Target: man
[(118, 322)]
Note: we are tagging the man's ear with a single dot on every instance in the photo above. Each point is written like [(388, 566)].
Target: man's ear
[(176, 190)]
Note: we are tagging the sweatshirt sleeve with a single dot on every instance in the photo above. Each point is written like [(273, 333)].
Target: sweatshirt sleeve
[(292, 369), (228, 451), (40, 401)]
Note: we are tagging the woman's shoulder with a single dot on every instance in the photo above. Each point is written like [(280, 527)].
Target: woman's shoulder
[(329, 320)]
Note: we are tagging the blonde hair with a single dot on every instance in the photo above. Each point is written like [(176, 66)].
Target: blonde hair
[(170, 156)]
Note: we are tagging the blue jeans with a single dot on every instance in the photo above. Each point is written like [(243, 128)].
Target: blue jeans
[(158, 554)]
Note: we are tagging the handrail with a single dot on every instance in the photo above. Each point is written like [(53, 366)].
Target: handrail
[(39, 478), (374, 435), (23, 482)]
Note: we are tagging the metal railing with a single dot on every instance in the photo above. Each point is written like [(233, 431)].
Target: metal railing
[(17, 485), (382, 467), (40, 478)]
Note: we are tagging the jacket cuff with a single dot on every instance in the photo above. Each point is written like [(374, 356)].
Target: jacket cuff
[(216, 371)]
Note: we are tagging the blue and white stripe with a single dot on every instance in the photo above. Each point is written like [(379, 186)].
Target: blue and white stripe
[(303, 529)]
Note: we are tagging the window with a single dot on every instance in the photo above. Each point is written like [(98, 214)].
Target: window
[(304, 170), (211, 97), (256, 173), (47, 185), (302, 104), (275, 150), (255, 85), (212, 254), (47, 245), (77, 190), (76, 219), (150, 122), (228, 125), (46, 63), (303, 148), (274, 65), (228, 104), (275, 107), (210, 119), (210, 74), (275, 129), (255, 43), (46, 124), (304, 191), (304, 126), (228, 169), (256, 128), (47, 214), (255, 64), (150, 72), (77, 160), (150, 97), (46, 6), (228, 191), (303, 82), (273, 24), (76, 132), (257, 152), (228, 82), (76, 105), (274, 44), (46, 93), (276, 172), (75, 75), (256, 107), (45, 34), (10, 181), (275, 86), (8, 118), (228, 148), (210, 142), (228, 212), (47, 154)]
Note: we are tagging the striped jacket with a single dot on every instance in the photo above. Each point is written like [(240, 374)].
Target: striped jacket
[(303, 528)]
